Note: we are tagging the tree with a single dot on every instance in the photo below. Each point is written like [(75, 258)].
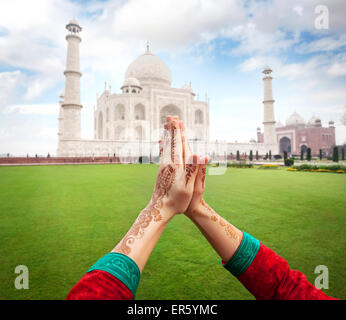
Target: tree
[(335, 154), (342, 154), (251, 156), (238, 155), (257, 155), (308, 154), (270, 154), (320, 154)]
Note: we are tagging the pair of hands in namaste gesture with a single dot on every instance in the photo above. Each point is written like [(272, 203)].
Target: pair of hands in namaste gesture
[(179, 187), (180, 181)]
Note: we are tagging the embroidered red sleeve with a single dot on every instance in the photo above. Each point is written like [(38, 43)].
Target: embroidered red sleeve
[(269, 277), (99, 285)]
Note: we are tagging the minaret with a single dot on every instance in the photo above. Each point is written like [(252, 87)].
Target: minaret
[(61, 116), (71, 105), (268, 102)]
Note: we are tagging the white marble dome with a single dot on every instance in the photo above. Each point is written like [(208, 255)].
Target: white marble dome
[(295, 119), (133, 82), (149, 69), (74, 21)]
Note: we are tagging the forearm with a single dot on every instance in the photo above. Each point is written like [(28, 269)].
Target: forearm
[(223, 236), (140, 240), (116, 275), (265, 274)]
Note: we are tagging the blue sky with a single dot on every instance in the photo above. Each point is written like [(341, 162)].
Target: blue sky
[(220, 46)]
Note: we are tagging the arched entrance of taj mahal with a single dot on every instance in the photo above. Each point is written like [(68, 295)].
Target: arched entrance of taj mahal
[(170, 110), (285, 145)]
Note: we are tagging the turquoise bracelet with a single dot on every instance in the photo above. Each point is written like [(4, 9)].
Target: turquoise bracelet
[(121, 267), (244, 256)]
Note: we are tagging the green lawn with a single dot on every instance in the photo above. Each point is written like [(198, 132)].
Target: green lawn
[(58, 220)]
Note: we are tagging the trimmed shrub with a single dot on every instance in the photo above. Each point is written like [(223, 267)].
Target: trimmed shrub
[(269, 166), (239, 165), (285, 155), (251, 156), (335, 154), (336, 168), (308, 154), (238, 155), (289, 162), (320, 154), (256, 155)]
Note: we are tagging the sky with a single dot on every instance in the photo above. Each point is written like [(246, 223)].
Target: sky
[(221, 46)]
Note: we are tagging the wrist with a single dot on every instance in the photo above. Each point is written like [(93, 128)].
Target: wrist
[(198, 212), (162, 212)]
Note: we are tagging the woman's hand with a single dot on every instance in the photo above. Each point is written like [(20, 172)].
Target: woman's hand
[(172, 195), (176, 174)]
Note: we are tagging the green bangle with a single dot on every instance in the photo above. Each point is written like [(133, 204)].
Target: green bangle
[(244, 256), (121, 267)]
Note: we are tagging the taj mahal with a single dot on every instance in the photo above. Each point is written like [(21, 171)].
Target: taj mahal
[(130, 123)]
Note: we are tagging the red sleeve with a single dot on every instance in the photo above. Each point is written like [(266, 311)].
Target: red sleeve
[(99, 285), (269, 277)]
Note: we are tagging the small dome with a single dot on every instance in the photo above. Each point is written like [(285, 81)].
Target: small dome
[(133, 82), (295, 119), (314, 121), (267, 70), (149, 69), (74, 21)]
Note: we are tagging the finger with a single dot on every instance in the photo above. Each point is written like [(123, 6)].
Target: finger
[(186, 146), (167, 145), (160, 148), (200, 179), (177, 145), (191, 169)]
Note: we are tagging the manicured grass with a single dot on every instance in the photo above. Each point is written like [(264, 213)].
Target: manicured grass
[(58, 220)]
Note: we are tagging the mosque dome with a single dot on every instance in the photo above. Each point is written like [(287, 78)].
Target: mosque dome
[(314, 122), (149, 70), (295, 119)]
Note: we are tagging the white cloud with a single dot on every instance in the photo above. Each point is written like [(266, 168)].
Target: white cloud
[(324, 44), (114, 33), (175, 24), (28, 136), (9, 83), (33, 109)]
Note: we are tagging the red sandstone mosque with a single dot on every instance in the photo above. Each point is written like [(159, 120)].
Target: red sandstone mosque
[(299, 135)]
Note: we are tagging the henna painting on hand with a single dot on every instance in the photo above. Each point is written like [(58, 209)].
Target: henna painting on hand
[(189, 170), (152, 212), (203, 177), (222, 222), (173, 141)]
